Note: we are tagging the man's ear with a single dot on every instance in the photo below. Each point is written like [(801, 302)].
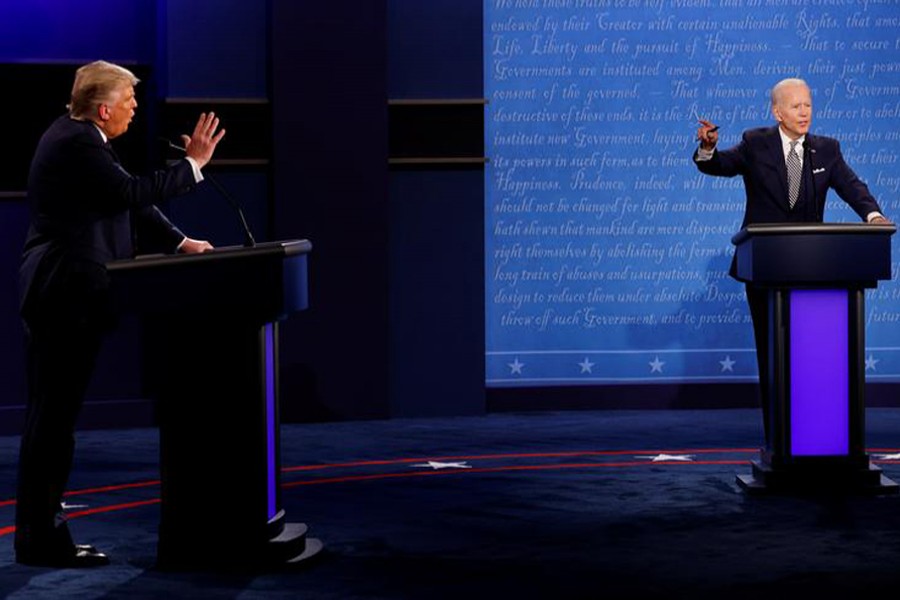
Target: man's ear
[(104, 112)]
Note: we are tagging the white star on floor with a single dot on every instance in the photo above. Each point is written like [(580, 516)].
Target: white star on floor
[(887, 456), (586, 365), (433, 464), (515, 367), (727, 364), (668, 457), (871, 361), (656, 365)]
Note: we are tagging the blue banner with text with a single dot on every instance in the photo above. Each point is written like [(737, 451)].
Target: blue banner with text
[(606, 250)]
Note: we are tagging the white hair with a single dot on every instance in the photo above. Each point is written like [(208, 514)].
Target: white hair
[(784, 83), (95, 83)]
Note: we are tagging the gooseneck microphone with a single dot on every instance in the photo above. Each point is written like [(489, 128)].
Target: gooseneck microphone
[(249, 242)]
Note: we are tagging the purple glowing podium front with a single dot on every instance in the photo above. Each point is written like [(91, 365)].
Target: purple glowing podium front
[(816, 275), (210, 332)]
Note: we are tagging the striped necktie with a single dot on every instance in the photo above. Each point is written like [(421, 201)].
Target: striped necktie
[(793, 173)]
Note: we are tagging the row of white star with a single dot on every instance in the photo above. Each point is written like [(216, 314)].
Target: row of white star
[(438, 465), (656, 365)]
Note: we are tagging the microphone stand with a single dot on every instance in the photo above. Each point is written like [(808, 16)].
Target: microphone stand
[(249, 242)]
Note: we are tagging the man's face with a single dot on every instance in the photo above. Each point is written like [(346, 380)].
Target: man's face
[(119, 111), (793, 110)]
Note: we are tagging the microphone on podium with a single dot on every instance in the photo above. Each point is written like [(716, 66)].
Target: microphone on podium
[(808, 155), (249, 242)]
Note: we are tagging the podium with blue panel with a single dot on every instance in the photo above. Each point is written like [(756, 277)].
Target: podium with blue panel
[(211, 325), (816, 275)]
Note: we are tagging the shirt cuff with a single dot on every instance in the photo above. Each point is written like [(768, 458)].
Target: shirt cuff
[(872, 215), (198, 176), (704, 155), (180, 244)]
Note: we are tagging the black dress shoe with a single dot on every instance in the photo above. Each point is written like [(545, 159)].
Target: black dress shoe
[(87, 556), (80, 557)]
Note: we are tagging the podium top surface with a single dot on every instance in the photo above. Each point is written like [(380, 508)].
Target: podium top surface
[(250, 285), (281, 248), (767, 229), (834, 255)]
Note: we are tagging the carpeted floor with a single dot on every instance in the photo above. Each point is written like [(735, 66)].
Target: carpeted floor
[(614, 504)]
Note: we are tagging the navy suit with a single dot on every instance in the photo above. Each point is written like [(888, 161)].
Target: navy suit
[(86, 210), (759, 159)]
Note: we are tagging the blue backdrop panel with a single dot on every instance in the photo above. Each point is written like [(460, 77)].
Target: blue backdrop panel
[(14, 216), (606, 251), (48, 30), (434, 48), (205, 61)]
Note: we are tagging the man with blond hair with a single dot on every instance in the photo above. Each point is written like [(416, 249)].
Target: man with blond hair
[(764, 158), (86, 210)]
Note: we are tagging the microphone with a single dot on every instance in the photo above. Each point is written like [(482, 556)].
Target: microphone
[(807, 156), (249, 242)]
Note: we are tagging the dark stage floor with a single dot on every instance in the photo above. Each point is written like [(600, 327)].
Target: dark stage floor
[(618, 504)]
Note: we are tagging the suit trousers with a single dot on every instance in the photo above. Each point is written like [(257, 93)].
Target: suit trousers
[(61, 355), (758, 299)]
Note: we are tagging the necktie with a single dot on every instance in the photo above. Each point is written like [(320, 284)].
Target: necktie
[(793, 173)]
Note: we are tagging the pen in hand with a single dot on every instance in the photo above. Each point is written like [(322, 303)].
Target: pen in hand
[(706, 134)]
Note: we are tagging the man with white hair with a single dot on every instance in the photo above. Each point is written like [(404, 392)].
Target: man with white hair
[(764, 158), (86, 210)]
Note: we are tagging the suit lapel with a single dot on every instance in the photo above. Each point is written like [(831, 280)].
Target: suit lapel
[(810, 160), (112, 152), (105, 143)]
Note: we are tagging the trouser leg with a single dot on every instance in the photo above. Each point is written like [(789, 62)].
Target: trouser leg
[(758, 299), (60, 360)]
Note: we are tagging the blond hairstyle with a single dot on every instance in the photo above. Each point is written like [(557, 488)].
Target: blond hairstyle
[(95, 84), (776, 91)]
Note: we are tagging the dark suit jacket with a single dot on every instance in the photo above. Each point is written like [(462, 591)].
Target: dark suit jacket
[(759, 159), (85, 211)]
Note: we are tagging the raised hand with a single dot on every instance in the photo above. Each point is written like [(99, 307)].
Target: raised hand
[(202, 143), (707, 134)]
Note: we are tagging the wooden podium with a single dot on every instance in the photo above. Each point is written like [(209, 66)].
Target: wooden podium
[(815, 275), (213, 321)]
